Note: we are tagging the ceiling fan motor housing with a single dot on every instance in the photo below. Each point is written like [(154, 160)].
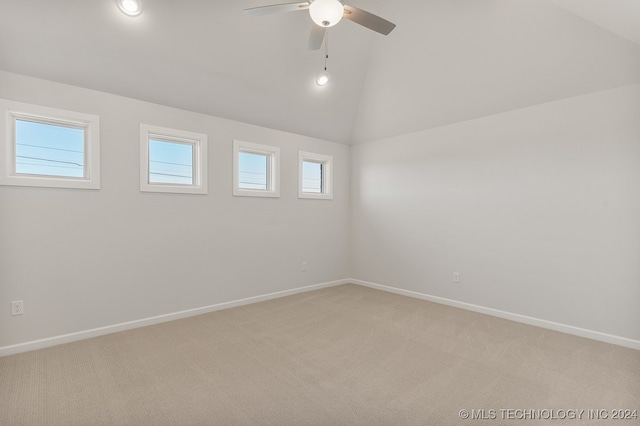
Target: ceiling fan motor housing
[(327, 13)]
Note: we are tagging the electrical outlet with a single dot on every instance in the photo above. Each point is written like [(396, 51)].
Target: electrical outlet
[(17, 307), (456, 277), (305, 268)]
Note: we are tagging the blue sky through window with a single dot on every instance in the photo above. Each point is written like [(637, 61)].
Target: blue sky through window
[(252, 173), (170, 162), (48, 149), (312, 177)]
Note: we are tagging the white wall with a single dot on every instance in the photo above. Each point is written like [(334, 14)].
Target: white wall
[(82, 259), (538, 209)]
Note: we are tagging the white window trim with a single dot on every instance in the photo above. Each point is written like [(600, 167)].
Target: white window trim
[(19, 110), (273, 179), (199, 142), (327, 176)]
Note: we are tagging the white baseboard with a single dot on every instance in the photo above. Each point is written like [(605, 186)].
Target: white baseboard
[(95, 332), (563, 328)]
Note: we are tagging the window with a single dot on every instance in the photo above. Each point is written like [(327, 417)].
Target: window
[(312, 177), (49, 147), (256, 170), (253, 171), (315, 176), (172, 160)]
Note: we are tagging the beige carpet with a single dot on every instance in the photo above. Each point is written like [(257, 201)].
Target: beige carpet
[(346, 355)]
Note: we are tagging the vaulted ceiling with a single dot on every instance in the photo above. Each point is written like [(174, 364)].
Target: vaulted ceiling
[(447, 60)]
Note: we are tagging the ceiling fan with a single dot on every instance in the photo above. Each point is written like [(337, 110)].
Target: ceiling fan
[(327, 13)]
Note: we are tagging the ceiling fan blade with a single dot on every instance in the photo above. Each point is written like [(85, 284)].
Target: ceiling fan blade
[(277, 8), (316, 37), (369, 20)]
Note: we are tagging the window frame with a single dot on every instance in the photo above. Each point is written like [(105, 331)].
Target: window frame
[(14, 111), (199, 164), (273, 169), (327, 175)]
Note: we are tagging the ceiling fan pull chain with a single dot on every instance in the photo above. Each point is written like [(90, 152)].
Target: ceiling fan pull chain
[(326, 50), (323, 78)]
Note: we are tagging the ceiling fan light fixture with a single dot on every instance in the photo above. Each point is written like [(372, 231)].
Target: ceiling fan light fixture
[(323, 79), (130, 7), (326, 13)]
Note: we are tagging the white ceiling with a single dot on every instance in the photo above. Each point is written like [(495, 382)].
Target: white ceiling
[(447, 61), (622, 17), (452, 61)]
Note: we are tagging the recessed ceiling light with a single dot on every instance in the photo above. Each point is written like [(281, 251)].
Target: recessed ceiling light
[(323, 78), (130, 7)]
